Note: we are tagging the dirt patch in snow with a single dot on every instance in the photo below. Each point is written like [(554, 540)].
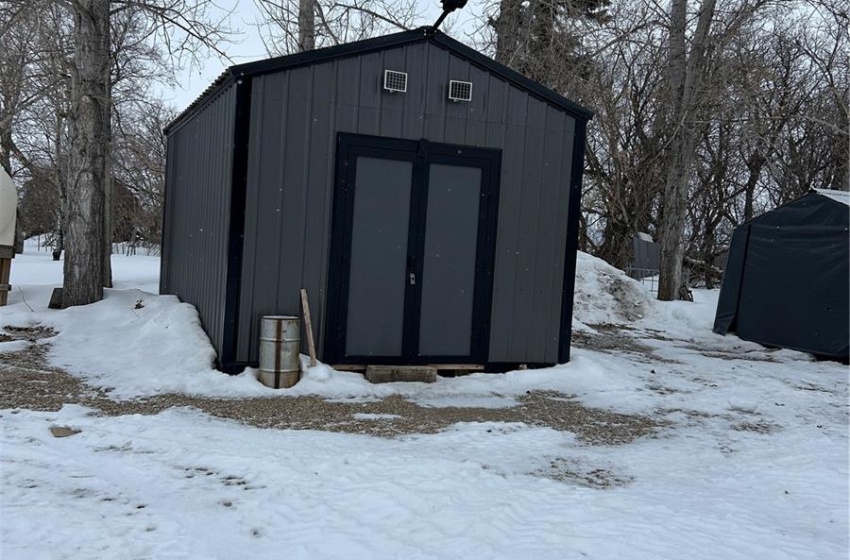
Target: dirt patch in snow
[(31, 334), (27, 382), (606, 337), (755, 357), (759, 427), (566, 470)]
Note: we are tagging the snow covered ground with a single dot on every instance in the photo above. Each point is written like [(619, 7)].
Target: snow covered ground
[(751, 463)]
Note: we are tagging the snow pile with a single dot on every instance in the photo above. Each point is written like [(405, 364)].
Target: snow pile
[(154, 343), (605, 295)]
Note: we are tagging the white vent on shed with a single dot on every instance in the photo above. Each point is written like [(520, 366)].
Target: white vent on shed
[(460, 91), (395, 81)]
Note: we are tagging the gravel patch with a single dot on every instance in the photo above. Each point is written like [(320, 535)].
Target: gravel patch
[(614, 338), (760, 427), (27, 382), (565, 470), (608, 337)]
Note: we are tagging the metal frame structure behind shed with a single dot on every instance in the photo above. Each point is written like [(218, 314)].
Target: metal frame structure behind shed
[(426, 196)]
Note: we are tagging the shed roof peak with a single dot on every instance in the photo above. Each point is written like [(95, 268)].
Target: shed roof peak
[(426, 33)]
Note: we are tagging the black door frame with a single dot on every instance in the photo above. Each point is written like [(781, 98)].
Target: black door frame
[(421, 153)]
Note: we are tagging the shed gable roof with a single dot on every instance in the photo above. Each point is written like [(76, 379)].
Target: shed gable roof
[(423, 34)]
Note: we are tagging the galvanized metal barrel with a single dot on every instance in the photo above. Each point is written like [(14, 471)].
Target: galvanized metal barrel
[(280, 346)]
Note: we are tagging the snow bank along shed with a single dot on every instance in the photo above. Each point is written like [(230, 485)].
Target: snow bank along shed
[(426, 197), (787, 279)]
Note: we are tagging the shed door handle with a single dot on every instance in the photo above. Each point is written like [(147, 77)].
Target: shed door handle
[(411, 267)]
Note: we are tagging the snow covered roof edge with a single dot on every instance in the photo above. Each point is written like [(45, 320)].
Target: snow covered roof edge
[(839, 196)]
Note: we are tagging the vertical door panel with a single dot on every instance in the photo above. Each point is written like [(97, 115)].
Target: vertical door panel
[(451, 243), (378, 267)]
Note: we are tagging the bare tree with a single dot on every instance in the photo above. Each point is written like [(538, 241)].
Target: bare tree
[(89, 153), (686, 72), (707, 112), (30, 70), (508, 26), (289, 26), (625, 148), (181, 28), (139, 159), (306, 25), (34, 87)]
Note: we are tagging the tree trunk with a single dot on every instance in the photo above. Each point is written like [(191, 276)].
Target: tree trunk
[(61, 184), (755, 163), (108, 202), (616, 247), (675, 201), (89, 154), (685, 74), (6, 150), (508, 29), (108, 190), (306, 25)]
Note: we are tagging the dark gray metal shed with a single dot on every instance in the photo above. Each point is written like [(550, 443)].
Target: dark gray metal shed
[(430, 211)]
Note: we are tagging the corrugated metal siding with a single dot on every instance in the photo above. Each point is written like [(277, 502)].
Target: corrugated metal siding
[(295, 117), (197, 212)]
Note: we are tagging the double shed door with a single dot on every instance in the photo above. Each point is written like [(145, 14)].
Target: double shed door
[(412, 251)]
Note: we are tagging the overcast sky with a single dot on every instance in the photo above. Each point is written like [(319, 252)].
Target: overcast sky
[(193, 81)]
